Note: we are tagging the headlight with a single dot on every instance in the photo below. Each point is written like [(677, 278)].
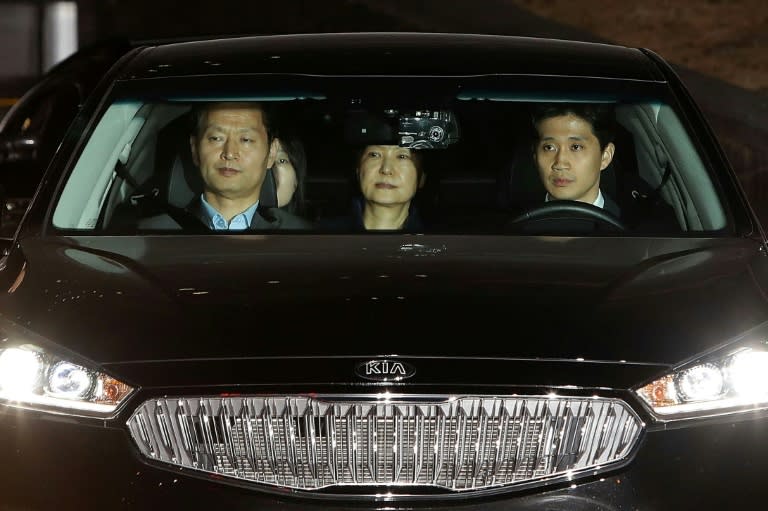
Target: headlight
[(33, 377), (730, 381)]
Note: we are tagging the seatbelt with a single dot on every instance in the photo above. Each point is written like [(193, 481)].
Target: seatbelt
[(663, 160), (181, 216)]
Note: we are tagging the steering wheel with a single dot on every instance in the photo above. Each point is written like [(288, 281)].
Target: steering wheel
[(569, 216)]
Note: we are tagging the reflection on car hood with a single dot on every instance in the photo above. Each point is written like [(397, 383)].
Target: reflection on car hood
[(645, 300)]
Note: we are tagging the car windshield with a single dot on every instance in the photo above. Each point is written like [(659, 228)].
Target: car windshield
[(506, 155)]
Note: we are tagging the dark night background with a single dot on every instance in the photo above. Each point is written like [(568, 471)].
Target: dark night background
[(719, 47)]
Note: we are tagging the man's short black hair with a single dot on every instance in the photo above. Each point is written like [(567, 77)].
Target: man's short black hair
[(601, 116), (199, 109)]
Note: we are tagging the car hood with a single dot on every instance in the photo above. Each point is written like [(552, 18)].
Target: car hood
[(637, 300)]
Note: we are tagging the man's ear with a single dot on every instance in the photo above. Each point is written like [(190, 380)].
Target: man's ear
[(272, 156), (422, 180), (193, 150), (534, 152), (607, 156)]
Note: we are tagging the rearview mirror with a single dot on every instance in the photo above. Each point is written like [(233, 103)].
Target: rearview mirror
[(417, 129)]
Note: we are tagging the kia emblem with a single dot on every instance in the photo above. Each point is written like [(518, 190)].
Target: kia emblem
[(385, 370)]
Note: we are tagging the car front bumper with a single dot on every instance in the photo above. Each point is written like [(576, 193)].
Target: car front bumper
[(51, 462)]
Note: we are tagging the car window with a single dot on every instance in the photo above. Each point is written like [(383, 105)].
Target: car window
[(480, 169)]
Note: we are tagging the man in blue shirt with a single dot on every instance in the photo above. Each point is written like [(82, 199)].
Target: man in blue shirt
[(233, 147)]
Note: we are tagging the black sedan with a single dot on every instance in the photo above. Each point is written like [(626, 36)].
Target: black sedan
[(507, 273)]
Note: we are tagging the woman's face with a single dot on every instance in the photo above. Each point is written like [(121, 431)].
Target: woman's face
[(388, 174), (285, 177)]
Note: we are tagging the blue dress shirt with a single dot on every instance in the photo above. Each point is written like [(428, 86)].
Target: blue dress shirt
[(217, 222)]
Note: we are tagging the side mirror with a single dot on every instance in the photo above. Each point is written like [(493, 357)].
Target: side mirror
[(17, 149), (11, 213), (3, 221), (20, 174)]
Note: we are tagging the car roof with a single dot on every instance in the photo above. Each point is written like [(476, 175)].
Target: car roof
[(401, 53)]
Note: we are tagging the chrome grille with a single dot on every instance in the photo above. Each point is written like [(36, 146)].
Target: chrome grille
[(459, 444)]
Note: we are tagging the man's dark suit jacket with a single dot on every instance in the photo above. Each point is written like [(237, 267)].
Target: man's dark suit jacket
[(194, 217), (610, 206)]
